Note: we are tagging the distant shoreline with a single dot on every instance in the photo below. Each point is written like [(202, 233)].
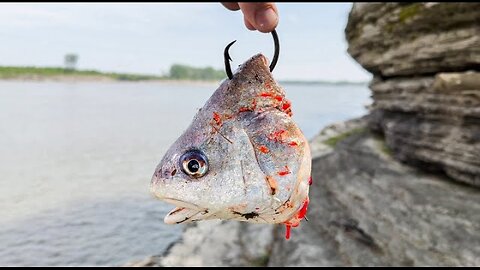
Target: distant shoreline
[(38, 74), (100, 79)]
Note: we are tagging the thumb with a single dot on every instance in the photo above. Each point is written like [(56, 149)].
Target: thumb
[(262, 16)]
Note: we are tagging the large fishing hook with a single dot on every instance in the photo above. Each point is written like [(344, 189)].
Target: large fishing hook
[(227, 58)]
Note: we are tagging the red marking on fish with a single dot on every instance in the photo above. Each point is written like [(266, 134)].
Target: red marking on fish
[(286, 107), (263, 149), (295, 220), (293, 143), (289, 225), (287, 231), (278, 136), (217, 118), (266, 94), (279, 98), (284, 172), (303, 211), (247, 109), (254, 105), (310, 181)]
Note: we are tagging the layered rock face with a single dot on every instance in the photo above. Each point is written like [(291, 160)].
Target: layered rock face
[(425, 58)]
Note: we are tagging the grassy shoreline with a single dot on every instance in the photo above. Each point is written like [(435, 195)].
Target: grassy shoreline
[(9, 72), (30, 73)]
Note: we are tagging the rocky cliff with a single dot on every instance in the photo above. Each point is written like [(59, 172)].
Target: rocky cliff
[(425, 58)]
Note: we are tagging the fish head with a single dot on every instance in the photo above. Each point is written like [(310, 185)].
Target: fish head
[(241, 158)]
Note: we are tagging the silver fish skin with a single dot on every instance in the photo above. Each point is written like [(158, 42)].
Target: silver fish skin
[(258, 162)]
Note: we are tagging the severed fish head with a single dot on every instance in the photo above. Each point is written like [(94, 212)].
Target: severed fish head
[(241, 158)]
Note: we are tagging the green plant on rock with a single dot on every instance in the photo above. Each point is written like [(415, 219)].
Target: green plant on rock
[(333, 141), (409, 11)]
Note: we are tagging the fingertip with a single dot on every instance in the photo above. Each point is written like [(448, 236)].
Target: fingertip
[(249, 25), (266, 20)]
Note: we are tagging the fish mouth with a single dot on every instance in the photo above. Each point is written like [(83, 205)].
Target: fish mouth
[(184, 212)]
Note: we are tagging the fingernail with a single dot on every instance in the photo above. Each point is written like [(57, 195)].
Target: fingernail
[(265, 19)]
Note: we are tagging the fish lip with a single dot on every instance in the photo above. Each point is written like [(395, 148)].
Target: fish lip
[(184, 212), (180, 203), (180, 215)]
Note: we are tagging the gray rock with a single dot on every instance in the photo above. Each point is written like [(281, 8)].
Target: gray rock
[(397, 39), (221, 243), (432, 122), (425, 58)]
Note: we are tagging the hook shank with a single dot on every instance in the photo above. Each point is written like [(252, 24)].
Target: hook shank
[(277, 50)]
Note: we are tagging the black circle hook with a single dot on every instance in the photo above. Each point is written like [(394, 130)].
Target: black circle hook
[(277, 50), (227, 58)]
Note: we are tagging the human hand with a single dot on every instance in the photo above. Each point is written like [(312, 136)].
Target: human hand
[(257, 16)]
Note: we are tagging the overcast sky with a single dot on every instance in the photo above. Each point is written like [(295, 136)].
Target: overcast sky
[(148, 38)]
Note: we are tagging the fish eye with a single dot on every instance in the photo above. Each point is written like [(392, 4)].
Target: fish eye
[(194, 163)]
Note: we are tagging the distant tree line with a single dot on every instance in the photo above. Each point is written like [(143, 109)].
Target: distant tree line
[(176, 72), (183, 72)]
